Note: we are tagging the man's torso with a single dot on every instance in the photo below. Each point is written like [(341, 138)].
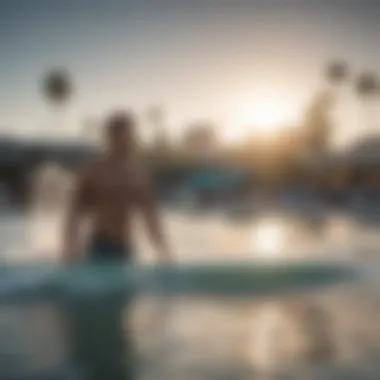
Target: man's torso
[(111, 198)]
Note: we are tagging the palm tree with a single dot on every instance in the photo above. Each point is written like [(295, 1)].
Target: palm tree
[(336, 75), (57, 89), (317, 118), (317, 123), (367, 86), (336, 72), (156, 116)]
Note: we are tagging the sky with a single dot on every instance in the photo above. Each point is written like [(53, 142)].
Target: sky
[(201, 60)]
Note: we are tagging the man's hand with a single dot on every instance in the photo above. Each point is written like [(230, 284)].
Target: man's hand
[(76, 210), (70, 256), (166, 259), (147, 206)]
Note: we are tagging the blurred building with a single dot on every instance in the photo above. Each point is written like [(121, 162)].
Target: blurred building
[(358, 165), (200, 139), (21, 158)]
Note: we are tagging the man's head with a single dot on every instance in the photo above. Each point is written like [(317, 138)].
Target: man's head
[(120, 132)]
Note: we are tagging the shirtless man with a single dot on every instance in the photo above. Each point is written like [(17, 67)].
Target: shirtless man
[(109, 191)]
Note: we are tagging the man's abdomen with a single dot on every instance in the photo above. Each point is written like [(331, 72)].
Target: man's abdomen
[(101, 248), (110, 230)]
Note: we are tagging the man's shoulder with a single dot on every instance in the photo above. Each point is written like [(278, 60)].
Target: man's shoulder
[(140, 168), (90, 169)]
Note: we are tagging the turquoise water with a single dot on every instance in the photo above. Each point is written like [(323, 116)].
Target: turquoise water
[(322, 333)]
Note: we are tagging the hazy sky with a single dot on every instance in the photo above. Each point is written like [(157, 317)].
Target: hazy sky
[(200, 59)]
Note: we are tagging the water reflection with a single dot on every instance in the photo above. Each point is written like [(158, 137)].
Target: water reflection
[(292, 235), (34, 343), (264, 334), (335, 333), (269, 339), (290, 333), (101, 343), (268, 239)]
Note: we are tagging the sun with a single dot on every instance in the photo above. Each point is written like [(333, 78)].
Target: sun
[(265, 115)]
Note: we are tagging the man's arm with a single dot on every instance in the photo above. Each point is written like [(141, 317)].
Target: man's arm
[(148, 208), (74, 216)]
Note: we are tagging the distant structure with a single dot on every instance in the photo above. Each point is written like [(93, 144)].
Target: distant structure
[(317, 125), (366, 150), (200, 138), (157, 119), (21, 158), (360, 164)]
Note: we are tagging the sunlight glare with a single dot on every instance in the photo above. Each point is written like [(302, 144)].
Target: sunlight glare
[(267, 240), (264, 336), (265, 115)]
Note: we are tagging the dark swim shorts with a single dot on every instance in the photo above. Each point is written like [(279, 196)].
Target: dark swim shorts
[(102, 248)]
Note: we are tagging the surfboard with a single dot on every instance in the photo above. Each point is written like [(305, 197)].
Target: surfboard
[(238, 279)]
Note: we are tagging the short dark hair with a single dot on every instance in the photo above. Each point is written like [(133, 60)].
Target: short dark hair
[(119, 121)]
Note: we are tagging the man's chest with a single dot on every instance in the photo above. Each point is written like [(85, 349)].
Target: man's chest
[(114, 185)]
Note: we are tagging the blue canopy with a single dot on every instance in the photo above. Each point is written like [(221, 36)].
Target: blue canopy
[(214, 179)]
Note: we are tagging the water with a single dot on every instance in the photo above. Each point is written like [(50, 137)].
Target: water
[(332, 334)]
